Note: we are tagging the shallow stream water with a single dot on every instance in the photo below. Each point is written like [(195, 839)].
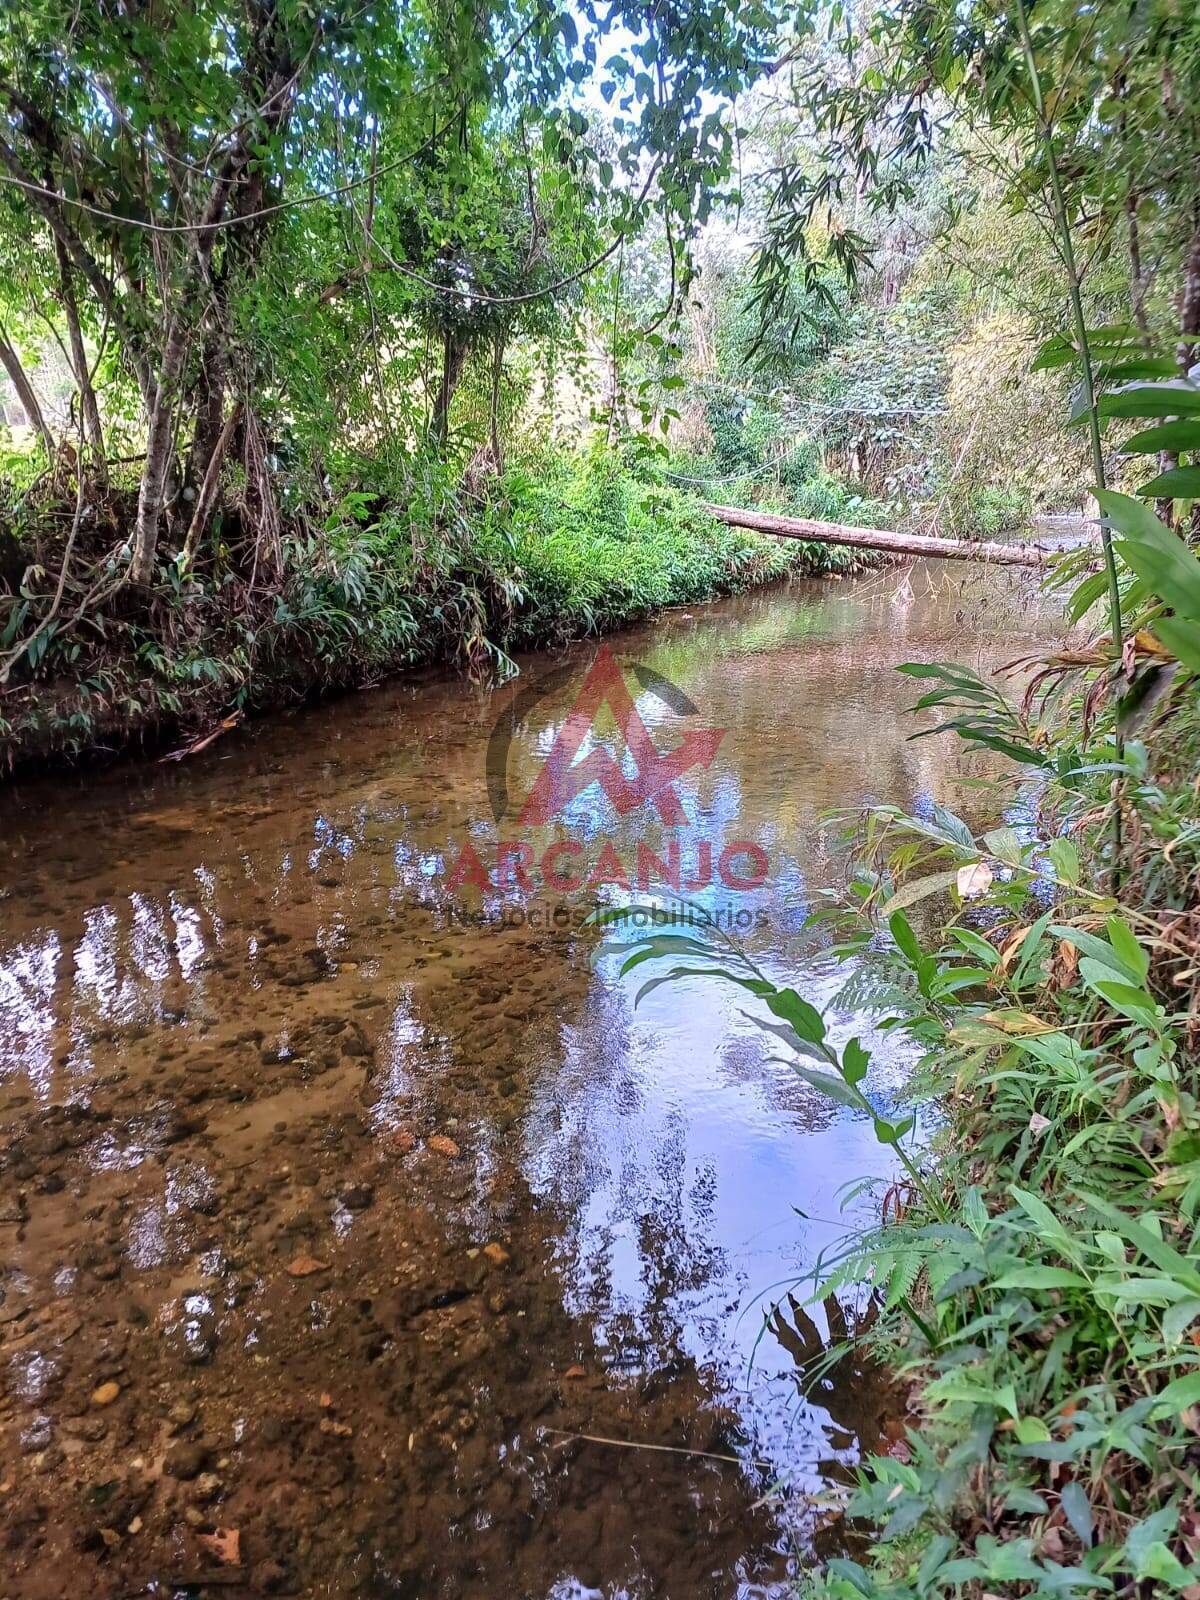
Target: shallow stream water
[(354, 1210)]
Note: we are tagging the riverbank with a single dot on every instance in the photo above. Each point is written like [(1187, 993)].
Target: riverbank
[(562, 547), (1039, 1280)]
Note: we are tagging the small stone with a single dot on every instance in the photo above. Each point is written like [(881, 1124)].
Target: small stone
[(497, 1254), (92, 1429), (186, 1460), (207, 1486), (194, 1517), (357, 1197), (400, 1142), (106, 1393), (443, 1146), (135, 1526), (181, 1413)]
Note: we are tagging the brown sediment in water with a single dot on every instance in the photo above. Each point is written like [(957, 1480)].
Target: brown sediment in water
[(333, 1220)]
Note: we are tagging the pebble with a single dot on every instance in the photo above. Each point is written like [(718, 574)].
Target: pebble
[(186, 1460), (106, 1393), (181, 1413)]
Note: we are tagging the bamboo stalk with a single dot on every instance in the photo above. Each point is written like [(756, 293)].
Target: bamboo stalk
[(903, 544)]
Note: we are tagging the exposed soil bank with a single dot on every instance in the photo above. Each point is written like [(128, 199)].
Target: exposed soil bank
[(332, 1212)]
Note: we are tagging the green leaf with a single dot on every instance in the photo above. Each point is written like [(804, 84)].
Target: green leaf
[(829, 1086), (1039, 1277), (905, 938), (855, 1061), (1077, 1509), (1130, 517), (1178, 1395), (794, 1009), (1005, 845), (1177, 1319), (891, 1132), (1181, 635), (1150, 400), (1056, 351), (1129, 952), (1139, 367), (1090, 944), (1064, 858), (1173, 436), (1036, 1208), (1152, 1247), (936, 1551), (1092, 588), (694, 972), (1136, 1004), (1180, 483), (1152, 551), (1147, 1538)]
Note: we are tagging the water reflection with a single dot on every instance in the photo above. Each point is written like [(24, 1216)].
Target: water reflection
[(342, 1178)]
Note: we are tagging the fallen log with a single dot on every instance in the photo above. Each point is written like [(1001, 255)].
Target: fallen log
[(901, 544)]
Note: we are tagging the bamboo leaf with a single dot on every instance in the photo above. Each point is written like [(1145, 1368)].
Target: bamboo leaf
[(1180, 483)]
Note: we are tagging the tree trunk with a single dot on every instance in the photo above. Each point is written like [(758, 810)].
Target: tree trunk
[(11, 362), (1189, 304), (210, 403), (901, 544), (1137, 277), (152, 491), (208, 489), (494, 412), (454, 356), (93, 432)]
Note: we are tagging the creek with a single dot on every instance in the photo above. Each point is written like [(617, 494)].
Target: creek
[(342, 1187)]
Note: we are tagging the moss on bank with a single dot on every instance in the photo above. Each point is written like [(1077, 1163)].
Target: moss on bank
[(561, 547)]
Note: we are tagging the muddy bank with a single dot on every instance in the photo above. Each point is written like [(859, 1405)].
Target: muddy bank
[(167, 669), (334, 1207)]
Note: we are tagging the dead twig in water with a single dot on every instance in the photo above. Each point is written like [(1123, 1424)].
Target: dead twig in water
[(203, 742), (664, 1449)]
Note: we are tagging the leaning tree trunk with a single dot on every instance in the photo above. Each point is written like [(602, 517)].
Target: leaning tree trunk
[(11, 363)]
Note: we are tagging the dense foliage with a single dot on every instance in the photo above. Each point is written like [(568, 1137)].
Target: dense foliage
[(343, 337)]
